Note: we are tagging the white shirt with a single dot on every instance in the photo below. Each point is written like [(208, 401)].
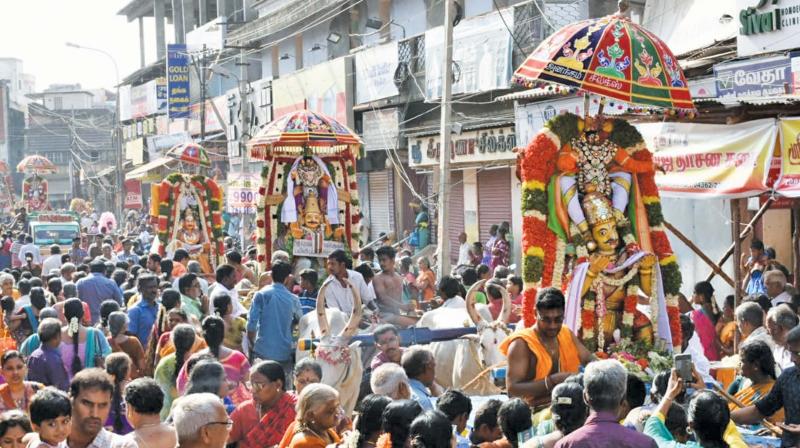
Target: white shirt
[(219, 288), (463, 254), (760, 334), (695, 348), (22, 301), (783, 297), (783, 357), (32, 248), (50, 263), (341, 298)]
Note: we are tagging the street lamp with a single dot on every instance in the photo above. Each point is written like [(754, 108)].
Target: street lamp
[(118, 201)]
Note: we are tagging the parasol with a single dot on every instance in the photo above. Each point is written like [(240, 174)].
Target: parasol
[(191, 153), (610, 56), (299, 130), (36, 164)]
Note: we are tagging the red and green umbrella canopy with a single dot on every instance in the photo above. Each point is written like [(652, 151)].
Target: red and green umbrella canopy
[(613, 57), (191, 153), (304, 129), (36, 164)]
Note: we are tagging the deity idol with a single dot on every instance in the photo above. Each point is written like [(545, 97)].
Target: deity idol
[(591, 227), (311, 208), (189, 236)]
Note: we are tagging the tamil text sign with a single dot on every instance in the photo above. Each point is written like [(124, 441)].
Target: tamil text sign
[(375, 69), (754, 78), (178, 81), (789, 181), (711, 160), (480, 146), (481, 55)]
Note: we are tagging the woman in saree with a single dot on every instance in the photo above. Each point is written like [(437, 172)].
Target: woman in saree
[(757, 376), (705, 317)]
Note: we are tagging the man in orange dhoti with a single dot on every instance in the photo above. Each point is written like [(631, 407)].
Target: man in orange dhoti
[(544, 355)]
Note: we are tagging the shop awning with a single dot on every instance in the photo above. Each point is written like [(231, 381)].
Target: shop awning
[(149, 170)]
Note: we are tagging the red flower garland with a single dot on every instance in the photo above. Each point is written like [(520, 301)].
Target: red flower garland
[(529, 307)]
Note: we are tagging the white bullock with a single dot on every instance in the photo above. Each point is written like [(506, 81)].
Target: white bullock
[(340, 360), (461, 360)]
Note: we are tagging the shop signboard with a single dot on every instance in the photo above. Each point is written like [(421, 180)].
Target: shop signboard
[(483, 146), (767, 25), (381, 129), (242, 192), (375, 68), (482, 49), (530, 118), (178, 81), (212, 120), (148, 98), (322, 88), (711, 160), (133, 194), (158, 145), (754, 77)]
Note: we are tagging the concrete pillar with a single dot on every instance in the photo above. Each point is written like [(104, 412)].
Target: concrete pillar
[(298, 52), (189, 17), (222, 8), (516, 220), (276, 69), (385, 14), (471, 223), (202, 12), (158, 14), (177, 21), (141, 42)]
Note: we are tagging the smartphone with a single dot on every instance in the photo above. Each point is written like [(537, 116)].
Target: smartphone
[(685, 367)]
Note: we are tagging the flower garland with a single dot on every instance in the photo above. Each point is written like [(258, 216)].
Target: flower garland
[(544, 254), (210, 199)]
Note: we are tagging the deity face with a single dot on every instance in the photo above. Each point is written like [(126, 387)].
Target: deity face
[(313, 220), (606, 236), (188, 223)]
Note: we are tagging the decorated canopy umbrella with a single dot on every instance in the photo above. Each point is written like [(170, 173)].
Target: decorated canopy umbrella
[(191, 153), (610, 56), (36, 164), (302, 130)]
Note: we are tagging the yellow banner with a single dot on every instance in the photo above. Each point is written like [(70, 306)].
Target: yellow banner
[(789, 182)]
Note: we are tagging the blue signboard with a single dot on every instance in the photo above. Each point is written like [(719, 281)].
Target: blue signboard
[(178, 81), (754, 77)]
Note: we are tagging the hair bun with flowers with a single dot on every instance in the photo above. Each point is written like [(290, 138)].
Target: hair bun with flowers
[(74, 326)]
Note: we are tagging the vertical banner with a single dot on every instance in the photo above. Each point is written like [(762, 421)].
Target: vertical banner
[(178, 81), (788, 184), (133, 194), (711, 160), (242, 192)]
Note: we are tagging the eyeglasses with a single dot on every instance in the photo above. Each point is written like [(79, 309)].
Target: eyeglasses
[(254, 385), (228, 424)]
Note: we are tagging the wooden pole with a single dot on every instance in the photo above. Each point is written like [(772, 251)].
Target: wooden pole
[(743, 235), (736, 215), (699, 253)]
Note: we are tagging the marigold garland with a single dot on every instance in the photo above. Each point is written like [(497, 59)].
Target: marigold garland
[(536, 165)]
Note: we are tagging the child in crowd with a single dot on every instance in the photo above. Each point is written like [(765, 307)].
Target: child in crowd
[(51, 413)]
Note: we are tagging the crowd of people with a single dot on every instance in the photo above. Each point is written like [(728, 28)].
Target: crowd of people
[(108, 345)]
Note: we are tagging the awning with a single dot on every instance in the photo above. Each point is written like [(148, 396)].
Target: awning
[(149, 171)]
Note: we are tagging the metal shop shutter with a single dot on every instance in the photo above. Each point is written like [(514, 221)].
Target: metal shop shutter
[(494, 199), (455, 224), (381, 210)]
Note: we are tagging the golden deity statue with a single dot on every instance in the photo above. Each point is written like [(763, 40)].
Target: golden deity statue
[(189, 236)]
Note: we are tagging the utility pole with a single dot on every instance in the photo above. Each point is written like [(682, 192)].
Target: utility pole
[(443, 246), (244, 104), (203, 94)]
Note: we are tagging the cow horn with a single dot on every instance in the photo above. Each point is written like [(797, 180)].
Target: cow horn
[(355, 318), (505, 312), (322, 316), (471, 311)]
